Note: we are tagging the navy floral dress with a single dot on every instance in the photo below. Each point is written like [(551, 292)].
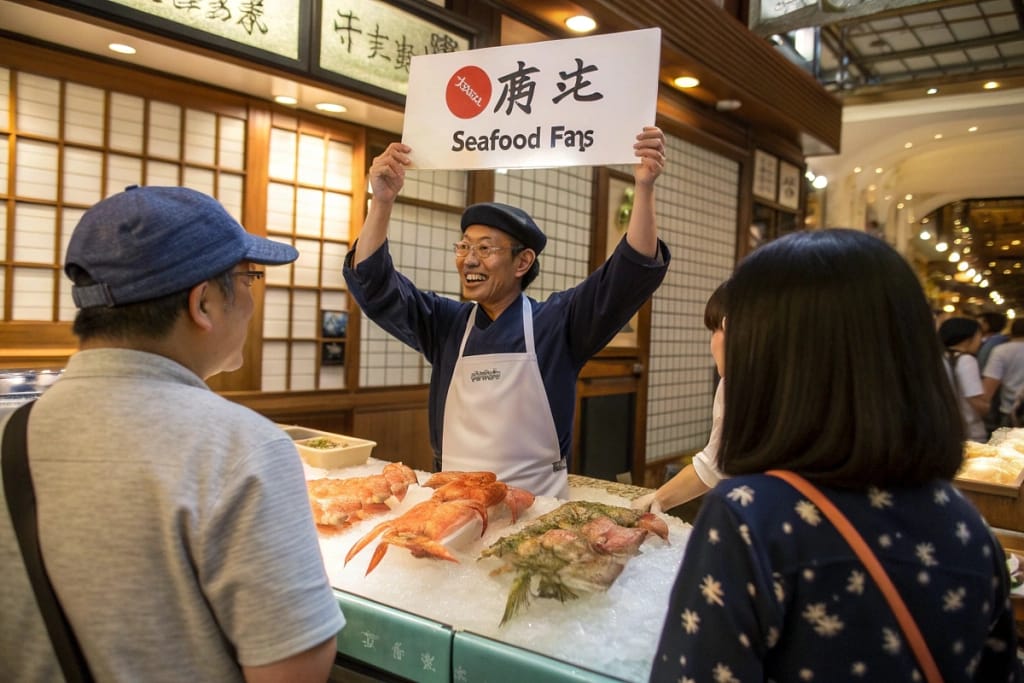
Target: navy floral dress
[(769, 590)]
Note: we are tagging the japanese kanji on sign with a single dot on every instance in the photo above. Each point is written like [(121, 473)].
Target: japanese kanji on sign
[(574, 102)]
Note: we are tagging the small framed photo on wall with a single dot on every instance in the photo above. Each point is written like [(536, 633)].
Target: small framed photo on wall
[(766, 170), (332, 353), (789, 185), (333, 324)]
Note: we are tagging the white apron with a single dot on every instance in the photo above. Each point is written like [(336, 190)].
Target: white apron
[(497, 418)]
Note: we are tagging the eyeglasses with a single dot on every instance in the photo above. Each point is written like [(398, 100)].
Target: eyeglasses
[(249, 275), (462, 249)]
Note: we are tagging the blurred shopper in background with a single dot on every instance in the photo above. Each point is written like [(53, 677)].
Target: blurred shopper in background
[(962, 337), (1003, 374), (174, 524), (992, 326), (835, 373)]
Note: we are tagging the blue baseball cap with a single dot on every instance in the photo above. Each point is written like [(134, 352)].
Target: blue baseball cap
[(148, 242)]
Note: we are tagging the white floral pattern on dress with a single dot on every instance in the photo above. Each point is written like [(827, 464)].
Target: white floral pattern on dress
[(926, 553), (879, 498), (712, 591), (855, 582), (744, 495), (808, 512)]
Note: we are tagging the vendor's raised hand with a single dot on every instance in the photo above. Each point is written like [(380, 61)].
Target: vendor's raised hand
[(650, 147), (387, 172)]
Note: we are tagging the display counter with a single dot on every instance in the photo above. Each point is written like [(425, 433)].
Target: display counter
[(425, 619)]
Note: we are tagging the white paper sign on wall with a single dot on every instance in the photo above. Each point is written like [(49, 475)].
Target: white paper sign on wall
[(573, 102)]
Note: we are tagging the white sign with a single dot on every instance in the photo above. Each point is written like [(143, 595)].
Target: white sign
[(574, 102)]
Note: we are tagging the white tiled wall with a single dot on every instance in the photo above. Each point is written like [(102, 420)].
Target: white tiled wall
[(697, 208), (558, 200)]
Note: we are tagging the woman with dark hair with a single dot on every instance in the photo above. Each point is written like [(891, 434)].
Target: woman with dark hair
[(836, 373), (702, 473)]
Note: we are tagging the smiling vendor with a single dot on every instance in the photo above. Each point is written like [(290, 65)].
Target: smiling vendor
[(503, 386)]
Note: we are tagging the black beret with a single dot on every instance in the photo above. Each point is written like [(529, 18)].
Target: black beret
[(955, 330), (515, 222)]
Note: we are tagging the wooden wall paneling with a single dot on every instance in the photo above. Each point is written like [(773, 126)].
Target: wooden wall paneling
[(402, 434), (36, 345)]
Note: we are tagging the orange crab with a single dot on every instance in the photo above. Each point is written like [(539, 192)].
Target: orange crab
[(421, 529), (338, 503), (482, 487)]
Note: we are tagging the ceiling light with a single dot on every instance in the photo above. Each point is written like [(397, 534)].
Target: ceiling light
[(908, 197), (938, 136), (285, 99), (931, 91), (954, 256), (925, 235), (962, 266), (972, 129), (908, 145), (121, 49), (857, 169), (332, 107), (581, 23), (941, 246), (728, 105), (991, 85), (686, 82), (878, 170)]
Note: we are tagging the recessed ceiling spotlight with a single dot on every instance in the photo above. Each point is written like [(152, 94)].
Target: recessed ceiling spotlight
[(991, 85), (332, 107), (685, 82), (580, 23), (121, 49), (938, 136), (728, 105), (285, 99), (932, 91), (878, 170), (819, 182), (908, 145), (857, 169), (972, 129)]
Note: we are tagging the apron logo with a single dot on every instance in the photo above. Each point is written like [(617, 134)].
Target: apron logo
[(485, 375)]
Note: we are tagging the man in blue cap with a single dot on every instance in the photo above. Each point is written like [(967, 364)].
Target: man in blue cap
[(503, 385), (174, 524)]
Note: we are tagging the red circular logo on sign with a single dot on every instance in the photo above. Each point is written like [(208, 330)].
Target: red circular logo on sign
[(468, 92)]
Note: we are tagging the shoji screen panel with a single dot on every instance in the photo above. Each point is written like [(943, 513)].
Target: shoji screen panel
[(697, 204), (309, 205), (73, 144)]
